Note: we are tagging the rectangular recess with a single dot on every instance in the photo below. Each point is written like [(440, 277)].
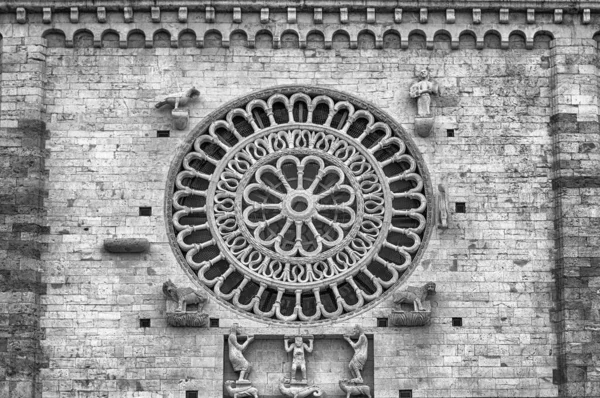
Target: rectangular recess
[(450, 132), (405, 394), (163, 133), (145, 211), (191, 394), (461, 207), (382, 322), (214, 322), (458, 322), (144, 322)]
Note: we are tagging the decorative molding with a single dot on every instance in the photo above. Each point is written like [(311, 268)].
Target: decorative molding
[(237, 15), (530, 16), (586, 16), (128, 14), (398, 15), (21, 14), (423, 15), (74, 15), (558, 15), (327, 5), (371, 15), (264, 15), (47, 15), (182, 14), (101, 14), (155, 14), (504, 15), (450, 16), (291, 15), (476, 16), (318, 15), (209, 14), (343, 15)]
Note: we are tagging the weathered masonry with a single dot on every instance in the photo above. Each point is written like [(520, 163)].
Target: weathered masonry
[(310, 198)]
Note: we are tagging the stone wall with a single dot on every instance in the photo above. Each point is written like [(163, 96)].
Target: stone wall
[(525, 143)]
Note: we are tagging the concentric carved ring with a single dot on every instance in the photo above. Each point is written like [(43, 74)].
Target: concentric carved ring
[(298, 207)]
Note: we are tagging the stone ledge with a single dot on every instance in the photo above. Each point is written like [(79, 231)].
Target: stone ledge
[(126, 245), (576, 182)]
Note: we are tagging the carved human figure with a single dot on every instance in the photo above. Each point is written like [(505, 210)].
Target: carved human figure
[(236, 356), (423, 90), (298, 360), (359, 359)]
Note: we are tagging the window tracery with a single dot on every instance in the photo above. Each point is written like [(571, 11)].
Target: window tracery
[(299, 206)]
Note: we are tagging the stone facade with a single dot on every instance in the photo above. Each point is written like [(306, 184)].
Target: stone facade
[(515, 144)]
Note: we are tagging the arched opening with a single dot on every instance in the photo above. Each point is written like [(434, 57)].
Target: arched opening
[(467, 40), (391, 40), (161, 39), (340, 40), (542, 39), (110, 39), (213, 39), (290, 39), (442, 41), (516, 40), (315, 40), (187, 39), (238, 38), (83, 39), (492, 40), (263, 40), (366, 40), (54, 38), (136, 39), (417, 40)]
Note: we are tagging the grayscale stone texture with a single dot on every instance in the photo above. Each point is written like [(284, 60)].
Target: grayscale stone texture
[(79, 155)]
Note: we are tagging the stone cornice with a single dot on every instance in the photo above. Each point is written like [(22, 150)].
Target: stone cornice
[(327, 5)]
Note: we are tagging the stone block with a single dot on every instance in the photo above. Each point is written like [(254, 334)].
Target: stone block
[(128, 14), (101, 14), (155, 14), (47, 15), (126, 245), (74, 14), (237, 14)]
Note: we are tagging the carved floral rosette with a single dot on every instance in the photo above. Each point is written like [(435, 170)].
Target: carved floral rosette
[(299, 206)]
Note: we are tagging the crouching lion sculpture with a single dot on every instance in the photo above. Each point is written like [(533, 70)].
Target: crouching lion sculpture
[(415, 295), (183, 296)]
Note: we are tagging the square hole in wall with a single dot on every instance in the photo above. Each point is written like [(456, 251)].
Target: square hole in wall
[(214, 322), (145, 322), (382, 322), (405, 394), (145, 211), (450, 132), (457, 322), (191, 394), (163, 133), (461, 207)]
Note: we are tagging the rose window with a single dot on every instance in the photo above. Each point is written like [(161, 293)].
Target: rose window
[(299, 206)]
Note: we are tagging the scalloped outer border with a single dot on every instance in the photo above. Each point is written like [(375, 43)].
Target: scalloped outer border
[(220, 113)]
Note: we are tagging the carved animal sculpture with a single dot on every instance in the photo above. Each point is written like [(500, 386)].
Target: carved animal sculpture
[(240, 392), (296, 392), (183, 296), (415, 295), (179, 99), (353, 389)]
